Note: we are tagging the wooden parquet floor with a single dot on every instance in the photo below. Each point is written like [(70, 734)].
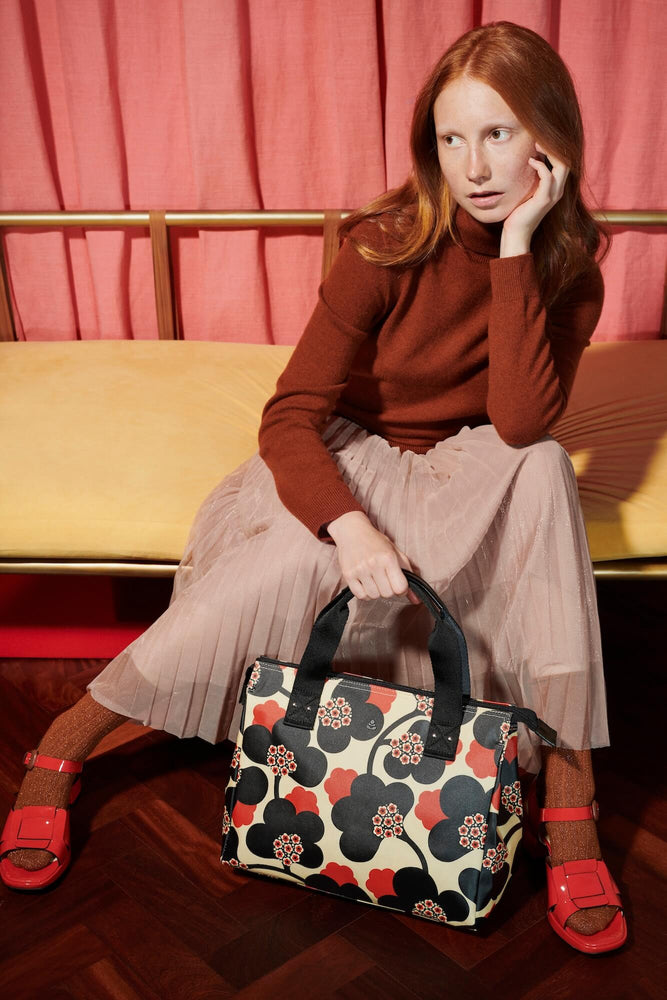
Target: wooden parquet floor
[(146, 911)]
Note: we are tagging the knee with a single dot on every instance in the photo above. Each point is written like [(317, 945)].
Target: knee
[(548, 457), (546, 469)]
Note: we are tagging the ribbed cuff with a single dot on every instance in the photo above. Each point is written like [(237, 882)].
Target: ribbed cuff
[(513, 278), (326, 506)]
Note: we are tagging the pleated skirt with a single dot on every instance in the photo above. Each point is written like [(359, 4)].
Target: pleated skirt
[(496, 530)]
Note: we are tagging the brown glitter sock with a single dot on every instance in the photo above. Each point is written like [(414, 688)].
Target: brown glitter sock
[(569, 782), (72, 736)]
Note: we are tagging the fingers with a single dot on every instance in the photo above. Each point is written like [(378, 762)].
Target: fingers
[(542, 169), (559, 169), (552, 159), (380, 581), (405, 564), (386, 580), (370, 563)]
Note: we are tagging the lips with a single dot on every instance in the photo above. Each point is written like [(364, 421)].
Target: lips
[(483, 194)]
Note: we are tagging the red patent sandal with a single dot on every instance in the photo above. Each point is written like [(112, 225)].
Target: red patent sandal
[(581, 885), (43, 828)]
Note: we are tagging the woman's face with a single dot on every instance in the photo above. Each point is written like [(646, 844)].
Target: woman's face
[(483, 147)]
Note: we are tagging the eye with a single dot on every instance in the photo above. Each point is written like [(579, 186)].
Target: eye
[(446, 139), (495, 132)]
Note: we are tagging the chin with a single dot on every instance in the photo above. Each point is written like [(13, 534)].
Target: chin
[(497, 214)]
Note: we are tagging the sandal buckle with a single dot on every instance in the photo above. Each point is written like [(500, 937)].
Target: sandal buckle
[(30, 759)]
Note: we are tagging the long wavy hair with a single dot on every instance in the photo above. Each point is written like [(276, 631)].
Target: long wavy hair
[(535, 83)]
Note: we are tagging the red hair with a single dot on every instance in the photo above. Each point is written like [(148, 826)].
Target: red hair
[(535, 83)]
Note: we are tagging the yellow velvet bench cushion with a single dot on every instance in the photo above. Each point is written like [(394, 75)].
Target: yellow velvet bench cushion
[(615, 430), (108, 447)]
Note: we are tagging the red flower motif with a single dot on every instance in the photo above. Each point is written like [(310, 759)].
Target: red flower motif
[(510, 749), (340, 874), (302, 800), (267, 714), (242, 815), (428, 809), (338, 784), (381, 882), (381, 697), (481, 760), (288, 849)]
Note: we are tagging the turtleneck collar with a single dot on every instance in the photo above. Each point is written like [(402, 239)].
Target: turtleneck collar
[(479, 238)]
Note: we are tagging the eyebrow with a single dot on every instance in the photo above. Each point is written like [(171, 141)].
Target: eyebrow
[(491, 125)]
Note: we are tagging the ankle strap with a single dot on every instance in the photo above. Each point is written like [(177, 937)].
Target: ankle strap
[(581, 812), (35, 759)]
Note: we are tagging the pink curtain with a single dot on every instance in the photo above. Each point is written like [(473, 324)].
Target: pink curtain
[(220, 104)]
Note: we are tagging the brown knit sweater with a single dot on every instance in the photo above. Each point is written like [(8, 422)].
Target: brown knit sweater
[(416, 354)]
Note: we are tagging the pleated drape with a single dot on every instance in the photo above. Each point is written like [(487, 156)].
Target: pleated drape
[(496, 530)]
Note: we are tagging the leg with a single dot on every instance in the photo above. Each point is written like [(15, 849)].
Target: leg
[(525, 598), (568, 782), (527, 605), (73, 735)]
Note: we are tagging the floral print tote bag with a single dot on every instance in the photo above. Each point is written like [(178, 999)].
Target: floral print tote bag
[(385, 794)]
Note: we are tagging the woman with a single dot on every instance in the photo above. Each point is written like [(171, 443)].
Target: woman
[(409, 430)]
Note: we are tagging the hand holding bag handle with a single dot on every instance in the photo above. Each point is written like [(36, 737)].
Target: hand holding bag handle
[(449, 659)]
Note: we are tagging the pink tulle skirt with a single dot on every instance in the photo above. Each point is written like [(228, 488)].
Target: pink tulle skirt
[(496, 530)]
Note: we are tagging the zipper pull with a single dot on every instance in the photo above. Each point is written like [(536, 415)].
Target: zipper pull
[(528, 717)]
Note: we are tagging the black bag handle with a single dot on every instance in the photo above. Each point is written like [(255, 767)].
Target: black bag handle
[(449, 659)]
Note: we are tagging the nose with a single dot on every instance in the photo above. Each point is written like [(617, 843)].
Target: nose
[(478, 170)]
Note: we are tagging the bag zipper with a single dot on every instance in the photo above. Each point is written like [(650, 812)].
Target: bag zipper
[(516, 714)]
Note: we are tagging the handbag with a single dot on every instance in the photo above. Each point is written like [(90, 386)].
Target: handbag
[(394, 796)]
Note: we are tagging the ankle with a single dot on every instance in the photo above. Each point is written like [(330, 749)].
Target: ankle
[(575, 840), (568, 780), (45, 788)]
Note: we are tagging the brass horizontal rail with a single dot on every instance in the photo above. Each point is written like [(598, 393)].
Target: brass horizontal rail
[(250, 219), (627, 569), (88, 567), (219, 220)]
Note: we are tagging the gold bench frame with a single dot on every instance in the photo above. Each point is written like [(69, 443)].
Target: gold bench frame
[(158, 224)]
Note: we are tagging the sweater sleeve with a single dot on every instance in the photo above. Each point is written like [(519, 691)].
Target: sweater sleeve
[(352, 302), (534, 352)]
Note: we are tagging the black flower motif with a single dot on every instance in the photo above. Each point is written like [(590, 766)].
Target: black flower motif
[(465, 805), (486, 729), (345, 715), (286, 752), (371, 813), (406, 756), (252, 786), (289, 837), (491, 733), (264, 679), (416, 893), (338, 880)]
